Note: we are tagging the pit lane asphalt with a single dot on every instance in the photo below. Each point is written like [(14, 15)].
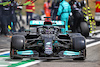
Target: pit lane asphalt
[(4, 42)]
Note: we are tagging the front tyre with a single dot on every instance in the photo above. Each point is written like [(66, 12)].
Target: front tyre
[(17, 43)]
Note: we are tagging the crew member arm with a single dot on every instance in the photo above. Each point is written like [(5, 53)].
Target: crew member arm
[(5, 3), (59, 10), (69, 7), (27, 3)]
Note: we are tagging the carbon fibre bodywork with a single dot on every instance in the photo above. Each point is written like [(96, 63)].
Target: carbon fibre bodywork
[(45, 40)]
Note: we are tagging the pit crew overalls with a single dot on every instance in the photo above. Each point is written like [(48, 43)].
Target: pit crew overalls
[(47, 10), (55, 6), (64, 11), (0, 17), (6, 14), (76, 8), (13, 15)]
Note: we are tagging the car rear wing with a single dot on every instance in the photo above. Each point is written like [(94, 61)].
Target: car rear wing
[(34, 23)]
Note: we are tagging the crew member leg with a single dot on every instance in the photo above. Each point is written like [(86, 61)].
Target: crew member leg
[(54, 14), (27, 14), (0, 25), (76, 23), (4, 25), (20, 15), (63, 30), (13, 23), (31, 16)]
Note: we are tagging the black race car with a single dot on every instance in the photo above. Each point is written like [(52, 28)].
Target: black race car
[(44, 40)]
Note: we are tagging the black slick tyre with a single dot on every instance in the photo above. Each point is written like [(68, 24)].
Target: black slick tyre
[(17, 43), (84, 29)]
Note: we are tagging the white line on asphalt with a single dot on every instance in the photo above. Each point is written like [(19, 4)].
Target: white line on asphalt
[(3, 65), (89, 40), (2, 58), (93, 44), (4, 52), (3, 49), (3, 40), (30, 63), (96, 36), (96, 31), (13, 62)]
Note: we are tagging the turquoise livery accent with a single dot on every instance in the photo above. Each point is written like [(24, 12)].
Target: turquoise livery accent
[(34, 22), (27, 52), (11, 24), (56, 42), (58, 23), (48, 43), (39, 42), (71, 53), (64, 11)]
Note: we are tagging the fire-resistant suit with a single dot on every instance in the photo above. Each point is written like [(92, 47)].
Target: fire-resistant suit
[(64, 11)]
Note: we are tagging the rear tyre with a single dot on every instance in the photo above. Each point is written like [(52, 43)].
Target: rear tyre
[(97, 23), (84, 29)]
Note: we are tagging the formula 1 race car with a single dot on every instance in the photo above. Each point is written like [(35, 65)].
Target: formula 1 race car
[(45, 40)]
